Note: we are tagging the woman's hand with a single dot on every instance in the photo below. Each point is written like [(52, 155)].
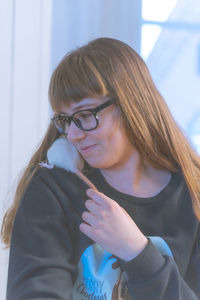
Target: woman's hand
[(109, 225)]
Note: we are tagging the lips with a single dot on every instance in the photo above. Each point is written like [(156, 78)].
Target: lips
[(87, 149)]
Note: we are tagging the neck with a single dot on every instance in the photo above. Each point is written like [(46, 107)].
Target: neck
[(125, 177), (135, 178)]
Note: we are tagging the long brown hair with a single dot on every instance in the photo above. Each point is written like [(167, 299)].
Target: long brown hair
[(107, 66)]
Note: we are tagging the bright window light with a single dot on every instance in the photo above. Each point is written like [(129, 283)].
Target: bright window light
[(196, 142), (150, 34), (157, 10)]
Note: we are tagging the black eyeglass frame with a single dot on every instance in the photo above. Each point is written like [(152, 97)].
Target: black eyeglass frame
[(71, 118)]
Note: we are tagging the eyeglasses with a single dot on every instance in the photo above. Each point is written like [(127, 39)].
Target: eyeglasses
[(86, 119)]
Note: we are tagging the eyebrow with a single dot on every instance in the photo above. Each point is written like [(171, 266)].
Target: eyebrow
[(82, 106)]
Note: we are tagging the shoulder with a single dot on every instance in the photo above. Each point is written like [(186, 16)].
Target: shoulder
[(48, 175), (56, 178), (54, 188)]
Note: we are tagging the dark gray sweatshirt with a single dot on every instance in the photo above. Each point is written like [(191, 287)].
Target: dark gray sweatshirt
[(50, 258)]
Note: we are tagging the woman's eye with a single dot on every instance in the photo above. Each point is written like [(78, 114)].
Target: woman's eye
[(85, 115)]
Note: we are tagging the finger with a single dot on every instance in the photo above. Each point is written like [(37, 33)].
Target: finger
[(100, 198), (93, 206), (89, 231), (89, 218)]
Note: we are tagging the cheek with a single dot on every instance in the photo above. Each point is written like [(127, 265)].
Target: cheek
[(112, 147), (112, 138), (110, 131), (111, 144)]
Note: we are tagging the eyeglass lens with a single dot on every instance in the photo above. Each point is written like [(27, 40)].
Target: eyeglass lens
[(84, 120)]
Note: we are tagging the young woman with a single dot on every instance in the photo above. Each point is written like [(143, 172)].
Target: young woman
[(136, 234)]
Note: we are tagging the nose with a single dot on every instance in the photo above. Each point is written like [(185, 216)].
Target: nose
[(75, 134)]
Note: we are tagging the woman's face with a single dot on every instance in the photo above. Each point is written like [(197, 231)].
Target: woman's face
[(105, 147)]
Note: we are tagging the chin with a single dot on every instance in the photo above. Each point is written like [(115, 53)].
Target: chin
[(98, 164)]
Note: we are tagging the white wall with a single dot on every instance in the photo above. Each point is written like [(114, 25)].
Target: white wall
[(25, 35)]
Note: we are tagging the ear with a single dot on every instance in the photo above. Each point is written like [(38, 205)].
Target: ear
[(64, 155)]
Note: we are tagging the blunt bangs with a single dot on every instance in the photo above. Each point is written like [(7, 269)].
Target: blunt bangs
[(75, 78)]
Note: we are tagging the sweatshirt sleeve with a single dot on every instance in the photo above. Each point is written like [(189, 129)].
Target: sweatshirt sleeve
[(40, 261), (154, 276)]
